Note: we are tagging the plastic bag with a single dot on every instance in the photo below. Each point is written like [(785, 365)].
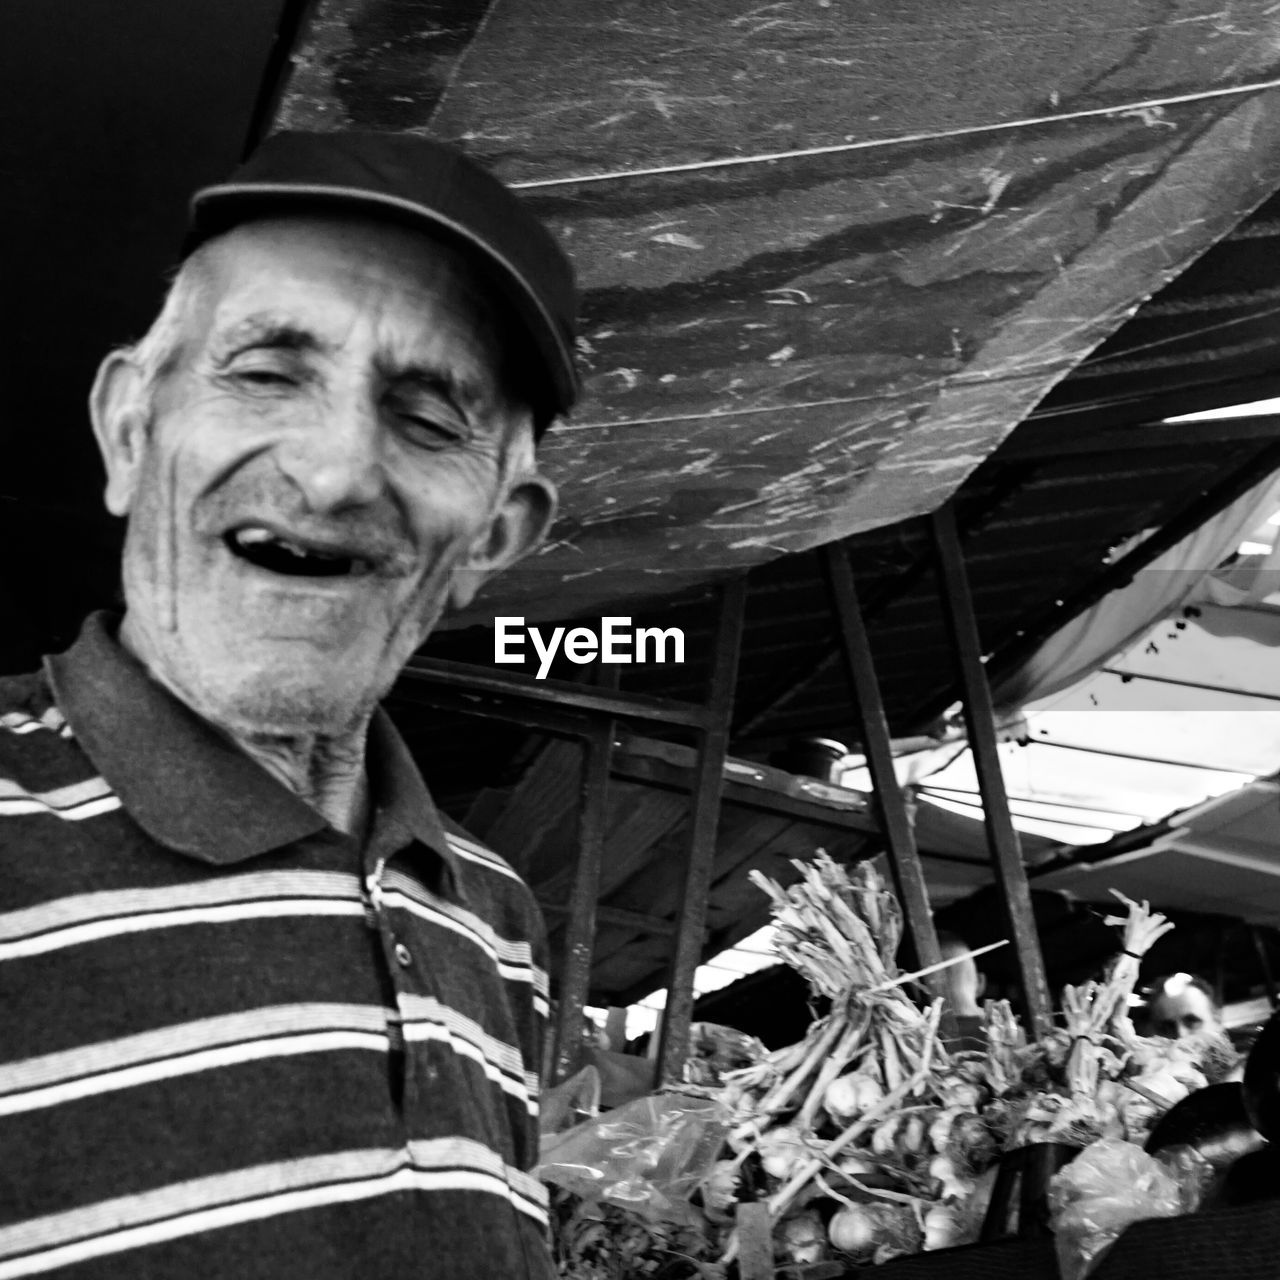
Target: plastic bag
[(648, 1155), (1110, 1184)]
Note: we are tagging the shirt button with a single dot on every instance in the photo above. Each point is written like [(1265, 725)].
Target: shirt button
[(404, 957)]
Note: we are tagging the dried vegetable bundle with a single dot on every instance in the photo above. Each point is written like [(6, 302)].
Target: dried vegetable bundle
[(1095, 1077), (868, 1139), (865, 1138)]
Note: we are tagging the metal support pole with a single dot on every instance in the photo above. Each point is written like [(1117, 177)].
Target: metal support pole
[(580, 929), (979, 714), (708, 785), (895, 822)]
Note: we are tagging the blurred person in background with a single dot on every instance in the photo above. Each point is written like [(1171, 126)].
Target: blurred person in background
[(965, 986), (1184, 1007)]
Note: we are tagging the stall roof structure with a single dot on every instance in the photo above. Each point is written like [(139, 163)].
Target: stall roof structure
[(1220, 856), (831, 255)]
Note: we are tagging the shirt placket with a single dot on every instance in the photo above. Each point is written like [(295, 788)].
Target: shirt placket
[(411, 977)]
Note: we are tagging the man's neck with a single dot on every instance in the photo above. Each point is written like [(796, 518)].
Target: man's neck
[(325, 770), (328, 773)]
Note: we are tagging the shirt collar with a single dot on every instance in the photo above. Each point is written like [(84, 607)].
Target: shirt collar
[(189, 786)]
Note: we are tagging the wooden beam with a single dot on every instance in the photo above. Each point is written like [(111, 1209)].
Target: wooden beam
[(713, 751), (1002, 836), (895, 822)]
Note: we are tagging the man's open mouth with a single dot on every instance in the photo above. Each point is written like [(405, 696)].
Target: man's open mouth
[(265, 549)]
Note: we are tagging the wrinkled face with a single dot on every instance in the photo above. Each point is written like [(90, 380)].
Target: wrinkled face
[(319, 470), (1188, 1012)]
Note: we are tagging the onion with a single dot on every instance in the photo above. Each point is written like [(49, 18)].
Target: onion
[(941, 1227), (961, 1095), (971, 1139), (721, 1185), (802, 1237), (883, 1134), (942, 1168), (913, 1133), (853, 1228), (779, 1149), (940, 1129), (851, 1095), (856, 1166)]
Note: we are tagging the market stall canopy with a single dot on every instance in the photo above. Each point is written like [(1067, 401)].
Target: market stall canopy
[(1222, 855), (832, 254), (1202, 690)]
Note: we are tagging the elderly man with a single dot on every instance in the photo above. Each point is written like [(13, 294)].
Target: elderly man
[(265, 1012)]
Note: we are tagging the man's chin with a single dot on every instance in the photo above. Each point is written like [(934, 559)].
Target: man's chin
[(275, 701)]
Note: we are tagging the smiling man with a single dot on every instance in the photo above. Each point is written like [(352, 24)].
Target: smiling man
[(266, 1012)]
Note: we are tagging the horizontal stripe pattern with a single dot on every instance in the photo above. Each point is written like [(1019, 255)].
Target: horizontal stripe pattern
[(513, 958), (481, 856), (90, 917), (425, 1018), (203, 1045), (51, 719), (220, 1051), (74, 802), (221, 1200)]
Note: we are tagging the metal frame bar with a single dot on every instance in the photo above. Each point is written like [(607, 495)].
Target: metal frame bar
[(1264, 963), (565, 707), (1152, 678), (507, 708), (673, 1045), (561, 694), (580, 928), (620, 916), (1046, 439), (746, 796), (1213, 500), (895, 821), (1128, 755), (1104, 411), (1002, 836), (826, 654)]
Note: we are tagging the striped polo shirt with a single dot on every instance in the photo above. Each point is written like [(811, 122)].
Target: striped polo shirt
[(233, 1042)]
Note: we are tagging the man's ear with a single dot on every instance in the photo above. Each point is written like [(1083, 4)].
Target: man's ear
[(516, 527), (117, 408)]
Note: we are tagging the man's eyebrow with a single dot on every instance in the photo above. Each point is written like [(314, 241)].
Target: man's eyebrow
[(265, 331), (464, 392)]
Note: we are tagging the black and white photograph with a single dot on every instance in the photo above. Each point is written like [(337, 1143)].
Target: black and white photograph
[(640, 640)]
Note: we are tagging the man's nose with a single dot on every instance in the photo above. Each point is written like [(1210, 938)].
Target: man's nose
[(336, 460)]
